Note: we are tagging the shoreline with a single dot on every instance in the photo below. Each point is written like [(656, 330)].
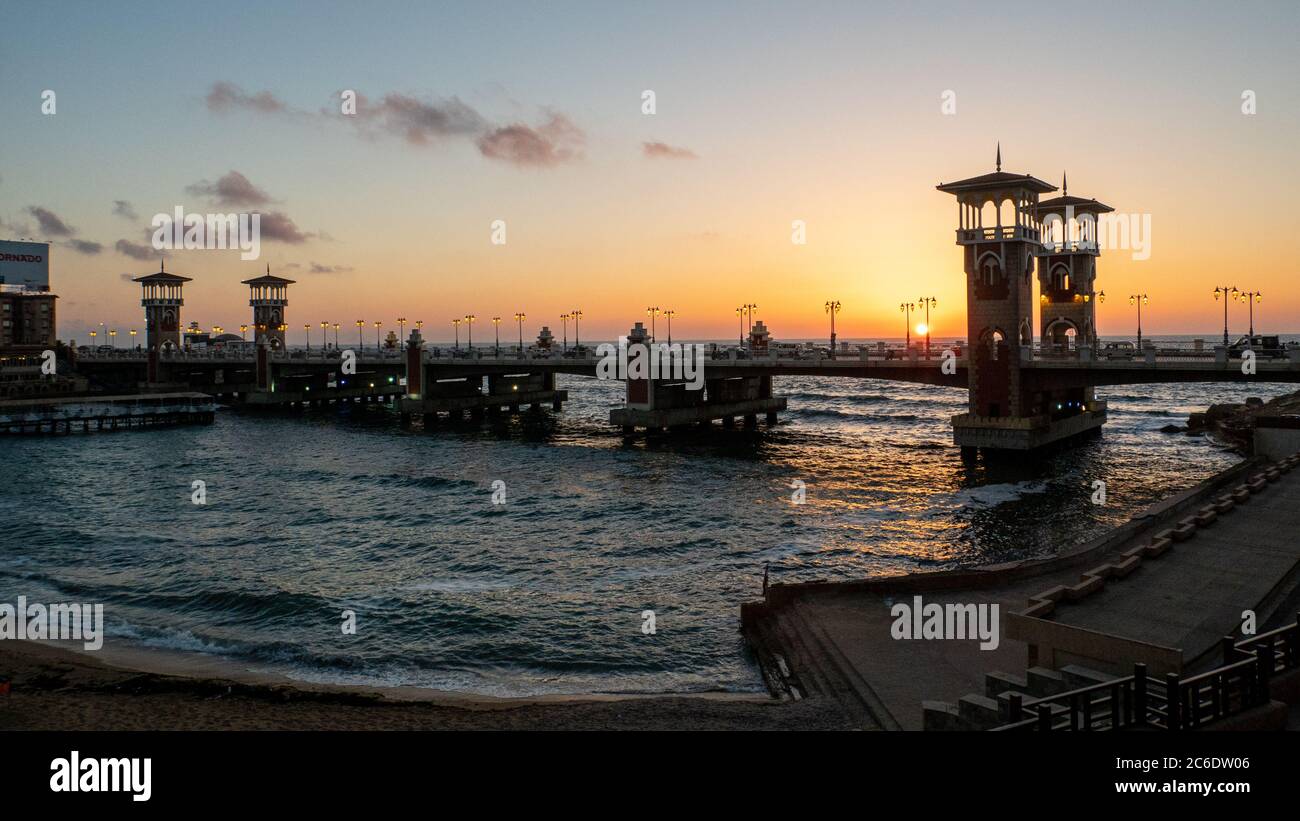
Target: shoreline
[(56, 687)]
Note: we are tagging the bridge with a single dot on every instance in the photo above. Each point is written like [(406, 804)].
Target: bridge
[(1025, 390)]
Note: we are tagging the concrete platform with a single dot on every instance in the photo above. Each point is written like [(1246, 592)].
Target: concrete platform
[(659, 418)]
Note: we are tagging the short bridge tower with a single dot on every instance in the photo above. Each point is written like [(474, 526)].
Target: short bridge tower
[(268, 296)]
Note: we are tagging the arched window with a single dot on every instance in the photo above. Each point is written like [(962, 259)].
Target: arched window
[(990, 271)]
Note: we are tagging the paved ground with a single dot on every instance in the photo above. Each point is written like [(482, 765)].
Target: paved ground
[(1188, 598)]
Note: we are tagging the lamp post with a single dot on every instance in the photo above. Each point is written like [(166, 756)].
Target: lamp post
[(496, 326), (243, 329), (652, 313), (469, 327), (669, 315), (740, 312), (378, 325), (401, 332), (929, 302), (833, 308), (564, 320), (455, 323), (133, 333), (336, 336), (324, 335), (361, 323), (576, 314), (907, 308), (93, 334), (306, 329), (1250, 298), (1139, 300), (1229, 293), (519, 318), (112, 339)]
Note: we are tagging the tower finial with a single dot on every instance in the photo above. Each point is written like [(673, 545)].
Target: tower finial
[(162, 264), (999, 155), (1065, 186), (268, 269)]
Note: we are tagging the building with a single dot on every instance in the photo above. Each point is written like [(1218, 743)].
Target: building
[(27, 311), (268, 296)]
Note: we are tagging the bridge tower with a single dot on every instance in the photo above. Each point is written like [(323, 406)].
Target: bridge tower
[(999, 231), (162, 303), (1067, 270), (268, 295)]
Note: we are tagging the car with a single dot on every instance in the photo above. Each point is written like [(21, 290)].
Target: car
[(1119, 350), (1264, 347)]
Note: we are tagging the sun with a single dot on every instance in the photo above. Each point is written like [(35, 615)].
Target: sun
[(922, 328)]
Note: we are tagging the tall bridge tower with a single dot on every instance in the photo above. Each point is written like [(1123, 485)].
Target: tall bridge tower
[(1000, 233), (268, 295), (162, 303)]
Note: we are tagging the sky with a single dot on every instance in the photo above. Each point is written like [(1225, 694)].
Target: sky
[(533, 114)]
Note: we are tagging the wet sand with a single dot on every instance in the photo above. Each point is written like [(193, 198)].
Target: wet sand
[(56, 688)]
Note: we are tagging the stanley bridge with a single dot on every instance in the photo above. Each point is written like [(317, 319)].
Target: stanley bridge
[(1024, 393)]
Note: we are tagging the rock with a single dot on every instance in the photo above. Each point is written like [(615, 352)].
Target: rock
[(1254, 402), (1173, 429)]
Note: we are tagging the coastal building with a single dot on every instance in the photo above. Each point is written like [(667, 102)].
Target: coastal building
[(27, 307)]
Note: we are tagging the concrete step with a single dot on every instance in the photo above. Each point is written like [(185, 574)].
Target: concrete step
[(941, 716), (1044, 682), (981, 712), (855, 695), (997, 682)]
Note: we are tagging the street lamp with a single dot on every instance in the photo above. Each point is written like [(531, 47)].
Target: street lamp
[(564, 320), (324, 333), (929, 302), (336, 336), (361, 323), (907, 308), (519, 318), (1139, 300), (576, 314), (669, 315), (401, 331), (378, 324), (93, 334), (133, 333), (243, 329), (652, 313), (496, 327), (833, 308), (1228, 293), (306, 329), (1250, 298), (112, 339), (455, 323), (469, 323)]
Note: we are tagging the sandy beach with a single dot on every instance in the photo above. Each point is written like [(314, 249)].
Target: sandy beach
[(55, 688)]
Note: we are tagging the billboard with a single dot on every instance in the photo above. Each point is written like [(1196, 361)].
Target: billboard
[(25, 264)]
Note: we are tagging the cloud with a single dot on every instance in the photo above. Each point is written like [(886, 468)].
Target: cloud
[(556, 141), (122, 208), (418, 122), (233, 189), (82, 246), (51, 224), (658, 150), (229, 97), (135, 250), (317, 268), (278, 227)]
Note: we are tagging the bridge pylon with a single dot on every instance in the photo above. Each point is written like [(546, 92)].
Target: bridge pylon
[(1000, 232)]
